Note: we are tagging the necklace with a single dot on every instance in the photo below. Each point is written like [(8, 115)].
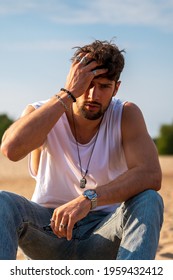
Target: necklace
[(83, 180)]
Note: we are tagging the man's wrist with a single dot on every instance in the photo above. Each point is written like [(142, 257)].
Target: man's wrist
[(92, 196), (69, 94)]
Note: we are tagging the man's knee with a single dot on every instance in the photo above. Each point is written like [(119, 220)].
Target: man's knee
[(146, 204), (4, 199), (147, 197), (8, 206)]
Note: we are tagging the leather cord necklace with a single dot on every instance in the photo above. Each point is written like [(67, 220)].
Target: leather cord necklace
[(83, 180)]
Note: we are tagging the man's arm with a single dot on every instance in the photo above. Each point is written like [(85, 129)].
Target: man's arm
[(143, 173), (142, 160), (30, 131)]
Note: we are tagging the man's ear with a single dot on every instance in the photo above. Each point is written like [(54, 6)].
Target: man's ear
[(117, 85)]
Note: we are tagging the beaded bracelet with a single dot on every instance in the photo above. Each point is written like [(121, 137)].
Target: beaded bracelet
[(62, 102), (69, 94)]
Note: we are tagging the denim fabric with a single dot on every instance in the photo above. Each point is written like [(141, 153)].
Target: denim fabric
[(131, 232)]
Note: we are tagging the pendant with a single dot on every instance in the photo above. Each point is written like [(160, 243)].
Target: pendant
[(83, 182)]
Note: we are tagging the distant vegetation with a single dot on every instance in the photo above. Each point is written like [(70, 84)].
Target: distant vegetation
[(5, 122), (164, 142)]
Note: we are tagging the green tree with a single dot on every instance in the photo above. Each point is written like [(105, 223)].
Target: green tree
[(5, 122), (164, 142)]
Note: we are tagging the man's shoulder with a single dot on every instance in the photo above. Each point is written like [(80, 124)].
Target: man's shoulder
[(38, 104), (116, 103)]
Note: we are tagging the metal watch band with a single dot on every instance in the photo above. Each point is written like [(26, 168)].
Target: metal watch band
[(94, 203)]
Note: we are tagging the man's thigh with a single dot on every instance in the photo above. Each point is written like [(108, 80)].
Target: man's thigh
[(94, 237), (103, 242)]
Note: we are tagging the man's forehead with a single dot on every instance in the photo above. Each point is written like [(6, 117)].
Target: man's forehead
[(103, 81)]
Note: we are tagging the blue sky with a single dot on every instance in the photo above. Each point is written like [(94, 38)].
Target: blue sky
[(37, 37)]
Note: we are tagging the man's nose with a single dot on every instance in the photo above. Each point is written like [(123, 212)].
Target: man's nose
[(93, 93)]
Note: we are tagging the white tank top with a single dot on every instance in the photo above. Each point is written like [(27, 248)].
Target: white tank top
[(57, 181)]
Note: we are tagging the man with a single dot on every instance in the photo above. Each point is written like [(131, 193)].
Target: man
[(96, 169)]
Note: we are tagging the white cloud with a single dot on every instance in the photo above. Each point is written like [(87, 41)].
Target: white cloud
[(10, 7), (133, 12)]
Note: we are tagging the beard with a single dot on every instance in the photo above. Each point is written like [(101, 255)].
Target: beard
[(90, 114)]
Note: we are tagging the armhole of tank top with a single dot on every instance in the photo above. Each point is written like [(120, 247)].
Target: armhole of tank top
[(123, 103), (30, 167)]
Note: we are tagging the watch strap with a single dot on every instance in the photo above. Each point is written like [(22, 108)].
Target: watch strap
[(92, 196), (94, 203)]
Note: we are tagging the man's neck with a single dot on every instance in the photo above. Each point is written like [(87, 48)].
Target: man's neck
[(85, 128)]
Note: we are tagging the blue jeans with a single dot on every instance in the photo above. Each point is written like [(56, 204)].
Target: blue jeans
[(130, 233)]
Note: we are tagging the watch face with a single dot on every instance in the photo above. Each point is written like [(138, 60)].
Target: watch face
[(90, 194)]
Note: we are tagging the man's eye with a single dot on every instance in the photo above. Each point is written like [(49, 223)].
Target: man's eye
[(104, 86)]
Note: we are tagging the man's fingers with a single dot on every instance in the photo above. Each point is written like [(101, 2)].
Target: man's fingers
[(70, 229)]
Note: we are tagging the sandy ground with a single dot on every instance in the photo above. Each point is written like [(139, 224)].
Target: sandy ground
[(14, 177)]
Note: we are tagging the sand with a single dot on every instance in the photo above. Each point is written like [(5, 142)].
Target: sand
[(14, 177)]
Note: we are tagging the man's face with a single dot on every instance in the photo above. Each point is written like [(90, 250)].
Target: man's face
[(95, 101)]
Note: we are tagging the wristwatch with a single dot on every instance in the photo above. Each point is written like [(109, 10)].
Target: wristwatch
[(92, 196)]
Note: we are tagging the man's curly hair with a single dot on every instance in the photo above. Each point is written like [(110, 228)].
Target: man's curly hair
[(107, 54)]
